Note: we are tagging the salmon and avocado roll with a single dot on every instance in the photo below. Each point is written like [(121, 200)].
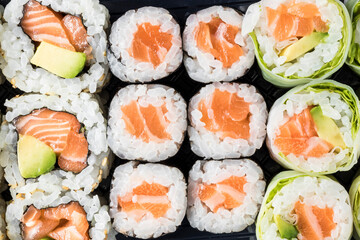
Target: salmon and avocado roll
[(215, 49), (224, 196), (70, 216), (353, 59), (146, 122), (297, 41), (228, 120), (145, 45), (314, 128), (55, 137), (299, 206), (147, 200), (55, 47)]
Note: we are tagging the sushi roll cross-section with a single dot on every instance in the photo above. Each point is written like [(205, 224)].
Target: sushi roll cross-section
[(353, 59)]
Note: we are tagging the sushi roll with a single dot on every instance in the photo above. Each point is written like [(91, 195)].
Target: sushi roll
[(145, 45), (215, 49), (291, 209), (353, 59), (72, 215), (297, 41), (224, 196), (54, 140), (228, 120), (355, 203), (63, 54), (147, 200), (146, 122), (314, 128)]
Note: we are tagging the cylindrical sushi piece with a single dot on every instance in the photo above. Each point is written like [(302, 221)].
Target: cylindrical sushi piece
[(55, 140), (299, 206), (298, 41), (215, 49), (224, 196), (353, 59), (71, 215), (145, 45), (355, 203), (146, 122), (69, 57), (314, 128), (228, 120), (147, 200)]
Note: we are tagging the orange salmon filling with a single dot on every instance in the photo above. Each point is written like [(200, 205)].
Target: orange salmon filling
[(314, 223), (67, 221), (150, 198), (150, 44), (298, 136), (294, 20), (218, 38), (226, 113), (227, 194), (147, 123)]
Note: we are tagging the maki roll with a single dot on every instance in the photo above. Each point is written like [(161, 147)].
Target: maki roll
[(293, 210), (228, 120), (55, 140), (314, 128), (145, 45), (55, 46), (215, 49), (147, 200), (224, 196), (353, 59), (355, 203), (297, 41), (72, 215), (146, 122)]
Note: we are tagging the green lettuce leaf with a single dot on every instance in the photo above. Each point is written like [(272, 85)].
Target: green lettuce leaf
[(353, 59), (355, 204)]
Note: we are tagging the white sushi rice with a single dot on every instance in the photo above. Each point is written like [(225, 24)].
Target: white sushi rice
[(202, 66), (130, 175), (96, 213), (87, 111), (225, 221), (305, 65), (128, 146), (322, 193), (127, 68), (333, 107), (208, 144), (18, 49)]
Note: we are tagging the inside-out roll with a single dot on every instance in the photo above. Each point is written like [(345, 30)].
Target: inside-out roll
[(147, 200), (215, 49), (298, 206)]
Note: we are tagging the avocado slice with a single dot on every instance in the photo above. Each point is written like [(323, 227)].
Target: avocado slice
[(59, 61), (326, 128), (287, 230), (34, 157), (302, 46)]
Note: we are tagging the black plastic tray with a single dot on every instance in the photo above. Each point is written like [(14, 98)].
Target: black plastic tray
[(179, 80)]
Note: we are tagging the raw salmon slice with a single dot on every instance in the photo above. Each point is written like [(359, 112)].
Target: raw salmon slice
[(76, 32), (147, 123), (314, 223), (150, 44), (43, 24), (67, 221), (60, 131), (227, 194), (146, 198), (226, 113), (298, 136), (218, 38)]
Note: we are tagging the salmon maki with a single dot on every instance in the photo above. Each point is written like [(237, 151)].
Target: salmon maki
[(298, 40), (310, 128), (292, 210), (142, 50), (215, 49), (146, 122), (147, 200), (227, 121), (220, 192)]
